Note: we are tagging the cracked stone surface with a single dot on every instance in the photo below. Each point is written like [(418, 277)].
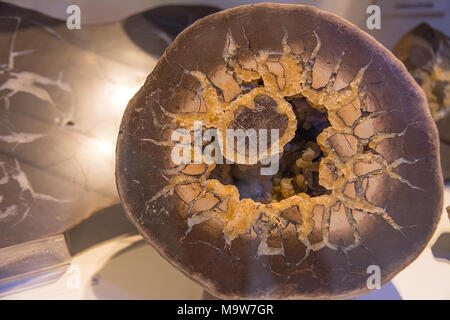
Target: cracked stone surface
[(375, 160), (62, 94), (441, 248)]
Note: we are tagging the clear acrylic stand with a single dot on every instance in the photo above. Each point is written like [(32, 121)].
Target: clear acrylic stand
[(31, 264)]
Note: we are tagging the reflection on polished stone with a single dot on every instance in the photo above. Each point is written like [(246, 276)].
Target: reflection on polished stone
[(62, 95)]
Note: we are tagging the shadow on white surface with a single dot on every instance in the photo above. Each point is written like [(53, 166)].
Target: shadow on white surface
[(104, 225)]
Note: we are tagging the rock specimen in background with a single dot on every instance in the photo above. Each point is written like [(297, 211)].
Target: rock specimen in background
[(62, 95), (359, 182), (426, 54)]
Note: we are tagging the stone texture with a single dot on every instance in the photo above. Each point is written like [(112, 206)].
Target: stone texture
[(426, 54), (62, 95)]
